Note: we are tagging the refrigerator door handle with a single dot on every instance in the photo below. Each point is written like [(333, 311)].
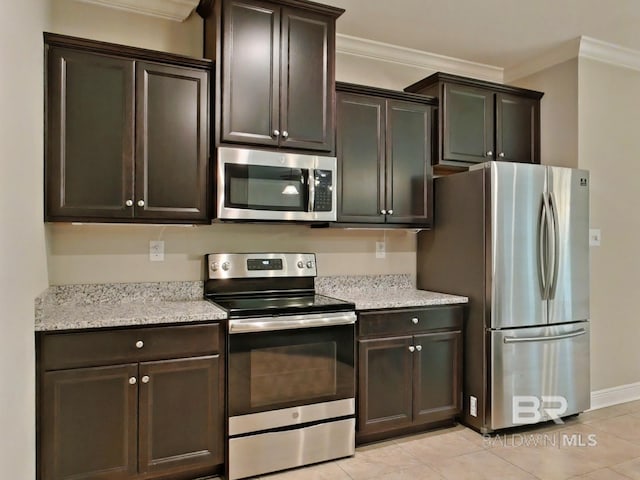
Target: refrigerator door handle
[(554, 248), (575, 333), (543, 248)]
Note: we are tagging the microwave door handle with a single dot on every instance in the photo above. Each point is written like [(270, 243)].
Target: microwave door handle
[(312, 189)]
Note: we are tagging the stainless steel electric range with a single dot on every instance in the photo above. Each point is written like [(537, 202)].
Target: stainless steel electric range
[(290, 363)]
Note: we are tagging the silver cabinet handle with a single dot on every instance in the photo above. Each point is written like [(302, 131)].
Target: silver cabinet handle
[(276, 133), (489, 153), (383, 212), (141, 203), (139, 344), (132, 381), (418, 347), (390, 212), (415, 320), (285, 134), (501, 155), (412, 348), (145, 379), (129, 203)]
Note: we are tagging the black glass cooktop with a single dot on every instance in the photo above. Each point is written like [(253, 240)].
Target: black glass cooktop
[(281, 305)]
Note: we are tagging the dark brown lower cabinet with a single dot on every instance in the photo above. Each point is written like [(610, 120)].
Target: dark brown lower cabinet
[(90, 423), (409, 370), (179, 414), (153, 417)]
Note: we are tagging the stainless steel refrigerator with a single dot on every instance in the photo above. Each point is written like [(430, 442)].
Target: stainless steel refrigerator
[(514, 239)]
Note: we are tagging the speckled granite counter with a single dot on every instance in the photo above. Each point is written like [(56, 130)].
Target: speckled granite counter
[(69, 307), (370, 292)]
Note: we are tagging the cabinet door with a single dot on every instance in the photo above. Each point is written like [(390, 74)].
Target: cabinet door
[(468, 129), (384, 384), (307, 80), (408, 152), (172, 139), (89, 423), (360, 150), (181, 415), (437, 391), (517, 128), (89, 156), (251, 71)]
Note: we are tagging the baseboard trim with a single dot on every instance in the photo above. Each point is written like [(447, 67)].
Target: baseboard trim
[(615, 395)]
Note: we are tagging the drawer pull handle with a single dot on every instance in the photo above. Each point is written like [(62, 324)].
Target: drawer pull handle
[(139, 344), (145, 379), (412, 348), (132, 381), (415, 320), (418, 347)]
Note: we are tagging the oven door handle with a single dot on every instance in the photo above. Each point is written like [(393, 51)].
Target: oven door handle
[(290, 322)]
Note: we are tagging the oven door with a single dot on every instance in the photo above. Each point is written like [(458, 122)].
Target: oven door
[(262, 185), (276, 369)]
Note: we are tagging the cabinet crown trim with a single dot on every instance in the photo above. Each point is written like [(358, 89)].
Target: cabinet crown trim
[(205, 7), (385, 93), (471, 82), (126, 51)]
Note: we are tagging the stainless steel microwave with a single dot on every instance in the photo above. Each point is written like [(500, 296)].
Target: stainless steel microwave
[(263, 185)]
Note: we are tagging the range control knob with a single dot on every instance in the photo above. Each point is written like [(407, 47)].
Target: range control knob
[(300, 264), (226, 266), (310, 264)]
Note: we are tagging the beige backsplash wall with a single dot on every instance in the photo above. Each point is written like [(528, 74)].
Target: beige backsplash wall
[(120, 253)]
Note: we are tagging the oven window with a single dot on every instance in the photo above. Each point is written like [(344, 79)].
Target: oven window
[(271, 370), (289, 373), (266, 188)]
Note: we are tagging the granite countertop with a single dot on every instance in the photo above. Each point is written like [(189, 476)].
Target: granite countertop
[(70, 307), (372, 292)]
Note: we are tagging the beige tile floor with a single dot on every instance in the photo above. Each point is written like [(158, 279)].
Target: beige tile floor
[(602, 444)]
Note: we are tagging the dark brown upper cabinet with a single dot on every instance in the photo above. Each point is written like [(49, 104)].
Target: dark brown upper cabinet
[(480, 121), (384, 156), (127, 134), (275, 72)]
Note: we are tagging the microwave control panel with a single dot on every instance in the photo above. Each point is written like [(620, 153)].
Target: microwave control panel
[(323, 196)]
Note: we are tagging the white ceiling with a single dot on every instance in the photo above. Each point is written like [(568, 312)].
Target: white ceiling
[(503, 33)]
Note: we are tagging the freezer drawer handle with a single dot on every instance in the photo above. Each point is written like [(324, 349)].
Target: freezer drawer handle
[(575, 333)]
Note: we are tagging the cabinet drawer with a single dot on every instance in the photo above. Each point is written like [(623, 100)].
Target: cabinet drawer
[(410, 320), (71, 350)]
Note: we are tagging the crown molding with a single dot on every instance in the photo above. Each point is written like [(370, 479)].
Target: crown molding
[(609, 53), (385, 52), (562, 53), (177, 10), (580, 47)]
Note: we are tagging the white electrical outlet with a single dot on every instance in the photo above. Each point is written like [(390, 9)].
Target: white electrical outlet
[(156, 251), (473, 406), (381, 250), (594, 237)]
